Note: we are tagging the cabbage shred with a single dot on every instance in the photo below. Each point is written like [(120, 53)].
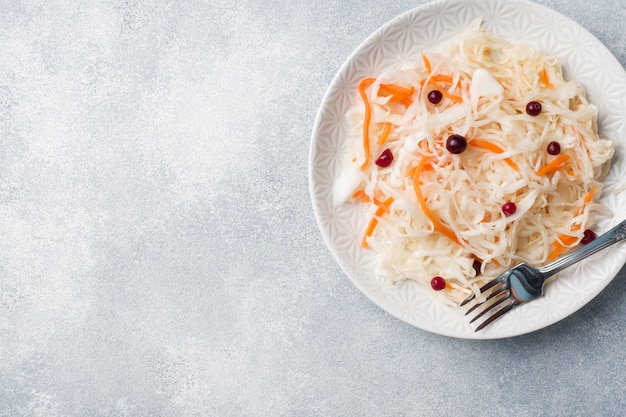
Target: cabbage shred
[(487, 83)]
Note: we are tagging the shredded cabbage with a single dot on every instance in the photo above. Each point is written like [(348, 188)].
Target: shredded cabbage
[(486, 84)]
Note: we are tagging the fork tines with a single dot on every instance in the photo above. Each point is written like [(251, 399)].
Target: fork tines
[(494, 298)]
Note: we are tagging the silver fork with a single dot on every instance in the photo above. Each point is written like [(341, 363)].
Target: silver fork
[(525, 283)]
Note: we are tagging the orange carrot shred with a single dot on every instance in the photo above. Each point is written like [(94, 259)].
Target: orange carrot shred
[(368, 232), (374, 220), (398, 94), (358, 194), (442, 78), (588, 198), (557, 163), (366, 121), (543, 75), (556, 252), (384, 135), (565, 240), (367, 199), (426, 63), (452, 97), (493, 148), (437, 224)]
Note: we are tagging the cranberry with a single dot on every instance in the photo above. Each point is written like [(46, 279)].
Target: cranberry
[(588, 236), (554, 148), (385, 159), (533, 108), (456, 144), (438, 283), (476, 265), (435, 96), (509, 208)]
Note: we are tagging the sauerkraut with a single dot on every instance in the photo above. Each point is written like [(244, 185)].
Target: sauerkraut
[(438, 212)]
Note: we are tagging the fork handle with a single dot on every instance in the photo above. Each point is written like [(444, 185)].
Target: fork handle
[(603, 241)]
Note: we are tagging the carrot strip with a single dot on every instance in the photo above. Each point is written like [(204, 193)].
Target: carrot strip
[(366, 121), (443, 229), (558, 247), (374, 221), (566, 240), (368, 232), (442, 78), (398, 94), (452, 97), (493, 148), (558, 250), (367, 199), (587, 199), (358, 194), (426, 63), (396, 90), (384, 135), (543, 76), (556, 164)]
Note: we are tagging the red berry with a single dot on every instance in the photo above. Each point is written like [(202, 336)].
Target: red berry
[(533, 108), (588, 237), (554, 148), (456, 144), (509, 208), (435, 96), (438, 283), (385, 159)]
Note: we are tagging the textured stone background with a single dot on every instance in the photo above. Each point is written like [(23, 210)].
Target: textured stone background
[(158, 251)]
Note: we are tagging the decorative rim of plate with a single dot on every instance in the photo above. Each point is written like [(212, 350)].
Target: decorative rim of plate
[(402, 39)]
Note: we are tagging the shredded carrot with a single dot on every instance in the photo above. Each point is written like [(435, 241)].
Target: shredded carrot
[(587, 199), (443, 229), (452, 97), (366, 121), (558, 250), (442, 78), (557, 163), (564, 241), (374, 221), (368, 232), (543, 76), (381, 204), (384, 135), (427, 66), (397, 92), (360, 194), (493, 148)]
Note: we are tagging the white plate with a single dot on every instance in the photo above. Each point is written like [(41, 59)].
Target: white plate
[(583, 58)]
